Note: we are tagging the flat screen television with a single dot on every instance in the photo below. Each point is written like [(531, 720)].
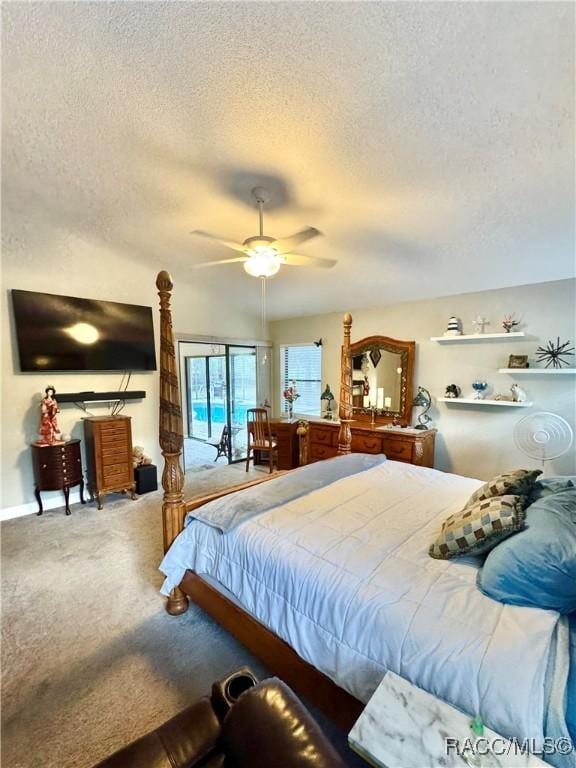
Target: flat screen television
[(66, 333)]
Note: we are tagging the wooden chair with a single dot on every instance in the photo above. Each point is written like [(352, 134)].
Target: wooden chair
[(260, 436), (222, 443)]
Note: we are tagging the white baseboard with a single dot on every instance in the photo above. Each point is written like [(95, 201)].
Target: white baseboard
[(48, 503)]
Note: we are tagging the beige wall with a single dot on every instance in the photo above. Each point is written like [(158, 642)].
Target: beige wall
[(94, 273), (472, 440)]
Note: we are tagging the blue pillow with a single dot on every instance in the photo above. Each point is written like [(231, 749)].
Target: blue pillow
[(547, 485), (537, 567)]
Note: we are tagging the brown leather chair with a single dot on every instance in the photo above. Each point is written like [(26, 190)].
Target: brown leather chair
[(260, 437), (266, 727)]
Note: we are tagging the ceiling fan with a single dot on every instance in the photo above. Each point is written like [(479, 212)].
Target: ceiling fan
[(264, 255)]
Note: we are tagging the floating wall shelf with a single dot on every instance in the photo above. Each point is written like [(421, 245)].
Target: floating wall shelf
[(473, 401), (546, 371), (476, 337)]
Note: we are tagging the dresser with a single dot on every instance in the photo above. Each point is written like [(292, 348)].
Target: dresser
[(57, 467), (109, 455), (412, 446)]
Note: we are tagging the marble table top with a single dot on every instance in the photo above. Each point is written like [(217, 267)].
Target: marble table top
[(403, 726)]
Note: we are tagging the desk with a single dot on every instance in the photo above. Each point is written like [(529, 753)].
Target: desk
[(284, 431)]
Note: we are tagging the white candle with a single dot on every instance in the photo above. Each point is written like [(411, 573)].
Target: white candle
[(380, 398), (387, 403), (366, 401)]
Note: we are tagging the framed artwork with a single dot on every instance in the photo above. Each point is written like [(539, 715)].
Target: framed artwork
[(518, 361)]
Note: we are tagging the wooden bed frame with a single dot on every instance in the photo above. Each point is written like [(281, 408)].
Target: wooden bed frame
[(276, 654)]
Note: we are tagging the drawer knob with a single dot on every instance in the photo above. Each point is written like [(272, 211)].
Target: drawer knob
[(44, 466)]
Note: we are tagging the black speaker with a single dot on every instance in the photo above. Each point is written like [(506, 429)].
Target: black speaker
[(146, 478)]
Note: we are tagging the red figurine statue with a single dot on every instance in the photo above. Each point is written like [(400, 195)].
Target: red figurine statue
[(49, 432), (366, 391)]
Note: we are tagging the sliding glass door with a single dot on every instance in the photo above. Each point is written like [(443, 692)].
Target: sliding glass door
[(205, 390), (220, 384), (242, 378)]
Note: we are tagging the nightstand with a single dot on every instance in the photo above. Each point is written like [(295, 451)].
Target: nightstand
[(57, 467), (402, 725)]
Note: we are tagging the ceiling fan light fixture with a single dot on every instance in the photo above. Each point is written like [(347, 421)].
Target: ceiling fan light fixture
[(263, 255), (263, 262)]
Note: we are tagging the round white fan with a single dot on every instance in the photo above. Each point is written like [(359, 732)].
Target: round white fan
[(543, 436)]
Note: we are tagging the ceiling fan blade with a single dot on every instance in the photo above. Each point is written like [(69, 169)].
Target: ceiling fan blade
[(221, 261), (222, 240), (285, 244), (296, 260)]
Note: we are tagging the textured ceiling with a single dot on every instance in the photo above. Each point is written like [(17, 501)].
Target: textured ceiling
[(432, 143)]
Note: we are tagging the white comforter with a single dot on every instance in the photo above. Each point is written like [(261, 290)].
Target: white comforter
[(343, 575)]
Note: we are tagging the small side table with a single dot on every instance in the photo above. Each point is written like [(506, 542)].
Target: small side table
[(403, 725), (57, 467)]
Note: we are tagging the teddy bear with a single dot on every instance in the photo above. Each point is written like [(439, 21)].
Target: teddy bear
[(139, 457)]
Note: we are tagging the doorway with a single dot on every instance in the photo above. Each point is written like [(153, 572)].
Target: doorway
[(220, 385)]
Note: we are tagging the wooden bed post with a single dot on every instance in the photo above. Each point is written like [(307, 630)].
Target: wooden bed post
[(345, 401), (171, 436)]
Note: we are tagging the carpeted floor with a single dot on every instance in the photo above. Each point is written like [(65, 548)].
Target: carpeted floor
[(90, 659)]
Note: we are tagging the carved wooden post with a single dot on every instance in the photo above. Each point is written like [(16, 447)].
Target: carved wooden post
[(171, 436), (345, 402), (303, 439)]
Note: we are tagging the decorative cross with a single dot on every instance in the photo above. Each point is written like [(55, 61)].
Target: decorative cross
[(480, 323)]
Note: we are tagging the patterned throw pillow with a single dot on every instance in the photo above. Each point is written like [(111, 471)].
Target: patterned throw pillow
[(520, 482), (479, 527)]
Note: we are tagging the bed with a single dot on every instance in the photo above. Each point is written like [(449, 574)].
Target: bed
[(331, 585)]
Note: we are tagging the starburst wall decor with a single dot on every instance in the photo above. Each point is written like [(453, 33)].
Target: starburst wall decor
[(554, 354)]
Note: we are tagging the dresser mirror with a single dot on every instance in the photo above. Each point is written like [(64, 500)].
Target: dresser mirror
[(382, 379)]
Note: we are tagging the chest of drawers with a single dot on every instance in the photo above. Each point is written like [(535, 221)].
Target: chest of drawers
[(57, 467), (411, 447), (109, 455)]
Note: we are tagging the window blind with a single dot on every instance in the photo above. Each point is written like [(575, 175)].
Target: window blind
[(302, 364)]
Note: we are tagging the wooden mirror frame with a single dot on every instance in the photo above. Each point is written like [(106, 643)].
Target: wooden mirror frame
[(406, 349)]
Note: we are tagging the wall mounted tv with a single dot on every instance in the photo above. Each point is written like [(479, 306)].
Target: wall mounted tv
[(65, 333)]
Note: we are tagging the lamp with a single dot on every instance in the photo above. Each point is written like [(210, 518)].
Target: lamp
[(263, 262), (329, 397), (424, 400)]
